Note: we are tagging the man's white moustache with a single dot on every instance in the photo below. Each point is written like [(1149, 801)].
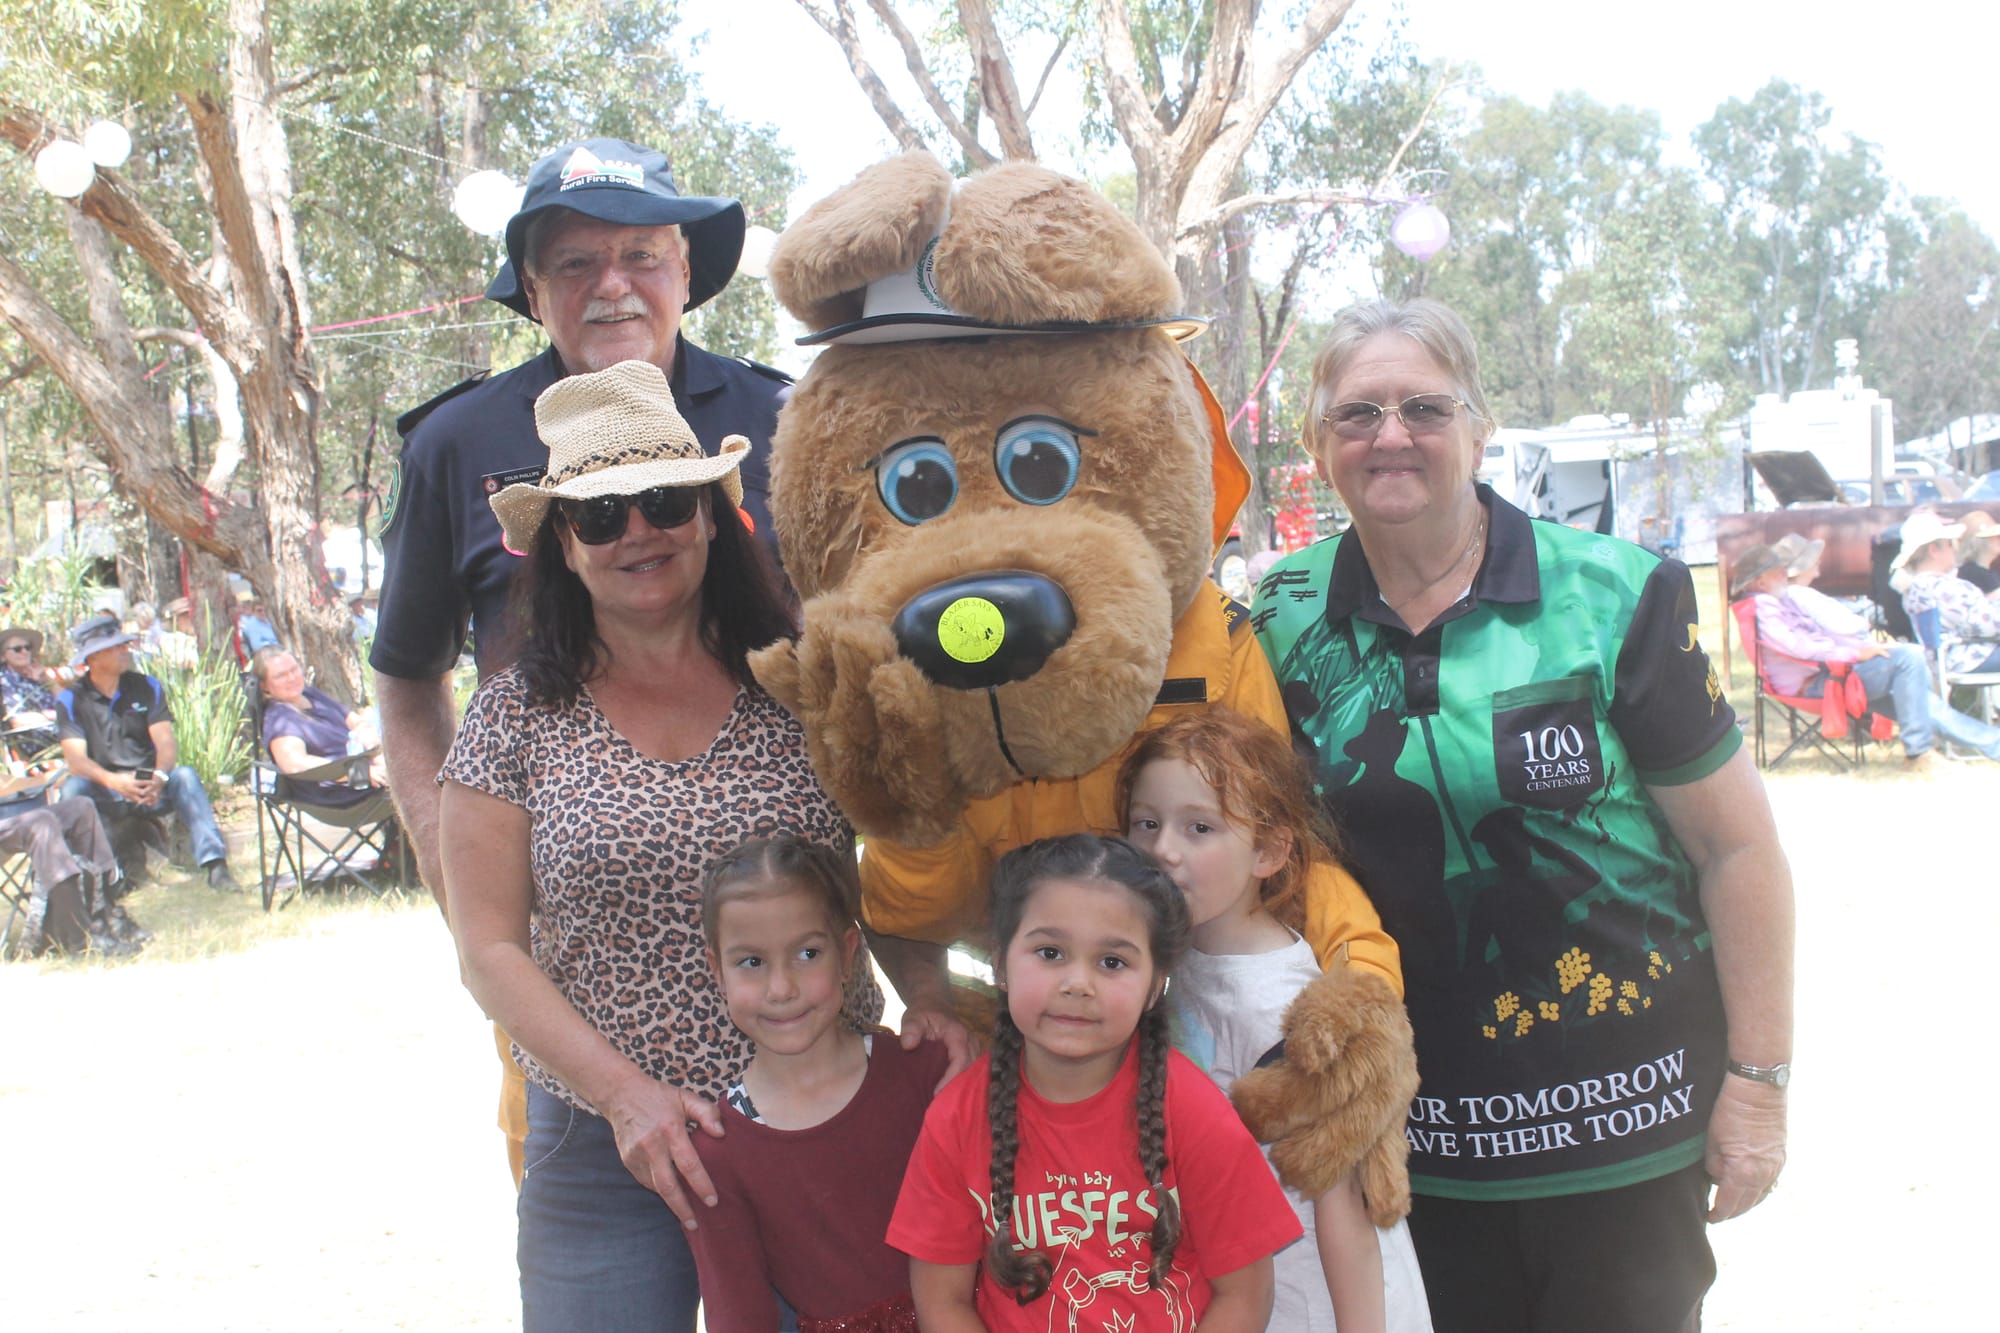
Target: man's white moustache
[(613, 309)]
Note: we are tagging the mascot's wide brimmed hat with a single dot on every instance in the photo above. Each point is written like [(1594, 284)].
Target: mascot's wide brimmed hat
[(950, 267), (615, 181), (614, 432)]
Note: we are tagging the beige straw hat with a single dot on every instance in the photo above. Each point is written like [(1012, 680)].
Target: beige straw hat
[(614, 432)]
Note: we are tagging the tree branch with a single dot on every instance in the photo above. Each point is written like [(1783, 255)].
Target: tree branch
[(838, 23), (920, 70), (111, 201), (1126, 93), (1245, 203), (1055, 56), (1221, 86), (21, 370), (995, 72), (129, 427)]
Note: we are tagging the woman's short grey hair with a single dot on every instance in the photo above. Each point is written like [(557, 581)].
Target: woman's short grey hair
[(1432, 325), (543, 225)]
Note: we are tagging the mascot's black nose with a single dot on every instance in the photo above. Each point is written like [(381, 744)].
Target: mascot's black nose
[(984, 629)]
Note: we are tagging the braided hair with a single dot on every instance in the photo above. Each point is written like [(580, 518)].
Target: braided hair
[(1085, 857)]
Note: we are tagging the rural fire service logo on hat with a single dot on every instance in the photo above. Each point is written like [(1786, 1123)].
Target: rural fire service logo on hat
[(587, 168)]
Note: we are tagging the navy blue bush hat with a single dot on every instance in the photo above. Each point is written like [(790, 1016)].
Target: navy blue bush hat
[(615, 181)]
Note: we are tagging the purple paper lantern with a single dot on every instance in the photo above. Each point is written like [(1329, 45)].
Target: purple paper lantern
[(1420, 231)]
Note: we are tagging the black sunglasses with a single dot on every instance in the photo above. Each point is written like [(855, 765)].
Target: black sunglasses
[(601, 519)]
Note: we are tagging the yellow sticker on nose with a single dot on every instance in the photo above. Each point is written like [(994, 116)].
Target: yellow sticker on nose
[(971, 630)]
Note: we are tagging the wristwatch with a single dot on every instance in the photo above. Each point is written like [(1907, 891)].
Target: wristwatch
[(1775, 1075)]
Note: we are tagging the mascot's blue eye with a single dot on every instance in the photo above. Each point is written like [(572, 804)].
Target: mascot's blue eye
[(1037, 459), (918, 480)]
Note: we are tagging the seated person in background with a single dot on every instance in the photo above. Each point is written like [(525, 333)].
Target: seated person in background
[(253, 626), (74, 904), (1930, 559), (25, 697), (1977, 550), (147, 628), (177, 642), (117, 733), (1893, 674), (1801, 567), (305, 727)]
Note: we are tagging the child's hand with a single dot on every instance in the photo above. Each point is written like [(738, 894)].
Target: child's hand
[(650, 1124)]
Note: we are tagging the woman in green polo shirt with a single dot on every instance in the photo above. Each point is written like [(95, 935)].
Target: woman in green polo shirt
[(1547, 796)]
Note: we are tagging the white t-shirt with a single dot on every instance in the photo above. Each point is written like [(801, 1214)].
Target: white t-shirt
[(1229, 1011)]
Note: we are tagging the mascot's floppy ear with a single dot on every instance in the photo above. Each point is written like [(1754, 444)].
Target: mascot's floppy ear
[(877, 225)]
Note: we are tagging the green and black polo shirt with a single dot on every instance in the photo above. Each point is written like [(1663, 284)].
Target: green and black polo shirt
[(1490, 777)]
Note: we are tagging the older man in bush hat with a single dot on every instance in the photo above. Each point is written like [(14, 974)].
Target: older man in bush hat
[(118, 739), (605, 253)]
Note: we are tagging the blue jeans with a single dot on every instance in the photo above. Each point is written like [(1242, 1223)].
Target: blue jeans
[(1904, 678), (597, 1250), (184, 796)]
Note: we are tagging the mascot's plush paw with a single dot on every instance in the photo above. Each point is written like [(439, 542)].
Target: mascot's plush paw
[(1337, 1102), (871, 726)]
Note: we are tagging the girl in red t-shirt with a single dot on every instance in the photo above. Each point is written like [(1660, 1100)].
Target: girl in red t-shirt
[(1079, 1176), (816, 1132)]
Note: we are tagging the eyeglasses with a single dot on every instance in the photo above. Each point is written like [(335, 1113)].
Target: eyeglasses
[(601, 519), (18, 648), (1421, 414)]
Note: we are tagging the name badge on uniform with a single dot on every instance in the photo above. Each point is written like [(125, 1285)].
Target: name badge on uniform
[(495, 482), (1545, 750)]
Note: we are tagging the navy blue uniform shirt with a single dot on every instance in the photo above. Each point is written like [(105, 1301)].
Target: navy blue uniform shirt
[(444, 563)]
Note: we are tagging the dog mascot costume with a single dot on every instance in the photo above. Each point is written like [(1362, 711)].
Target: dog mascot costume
[(998, 491)]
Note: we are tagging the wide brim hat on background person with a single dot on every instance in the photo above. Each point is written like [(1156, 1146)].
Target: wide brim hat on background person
[(615, 181), (1919, 531), (614, 432), (34, 637), (94, 636), (1799, 551), (1753, 564)]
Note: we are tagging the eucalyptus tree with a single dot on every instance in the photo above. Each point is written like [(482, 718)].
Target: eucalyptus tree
[(1811, 230), (294, 164), (1933, 343)]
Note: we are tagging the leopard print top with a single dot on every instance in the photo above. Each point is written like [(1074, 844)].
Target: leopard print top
[(618, 845)]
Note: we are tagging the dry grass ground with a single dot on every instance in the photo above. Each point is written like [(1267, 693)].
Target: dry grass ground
[(292, 1132)]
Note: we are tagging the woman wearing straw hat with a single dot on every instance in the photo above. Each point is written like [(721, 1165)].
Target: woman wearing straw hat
[(589, 787)]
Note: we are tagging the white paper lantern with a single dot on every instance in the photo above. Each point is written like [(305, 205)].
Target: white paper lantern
[(65, 169), (755, 261), (1420, 231), (107, 143), (485, 200)]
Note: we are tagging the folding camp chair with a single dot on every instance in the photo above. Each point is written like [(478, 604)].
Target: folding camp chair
[(1937, 644), (1802, 714), (17, 869), (302, 840)]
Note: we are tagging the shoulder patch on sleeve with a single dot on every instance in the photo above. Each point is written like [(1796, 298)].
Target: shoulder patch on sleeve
[(1235, 615), (413, 418)]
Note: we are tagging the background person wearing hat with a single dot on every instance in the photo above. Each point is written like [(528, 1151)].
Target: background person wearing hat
[(1895, 675), (117, 733), (26, 700), (605, 253), (1801, 557), (592, 784), (1929, 558), (1978, 549)]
